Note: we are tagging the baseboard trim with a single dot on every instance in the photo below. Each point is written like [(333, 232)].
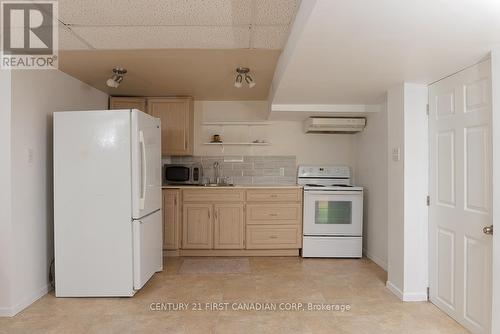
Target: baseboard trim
[(408, 296), (415, 297), (239, 252), (6, 312), (382, 264), (170, 253), (394, 289), (230, 252), (12, 311)]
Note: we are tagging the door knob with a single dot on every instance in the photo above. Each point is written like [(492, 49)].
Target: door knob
[(488, 230)]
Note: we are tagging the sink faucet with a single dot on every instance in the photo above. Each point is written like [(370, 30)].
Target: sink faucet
[(217, 171)]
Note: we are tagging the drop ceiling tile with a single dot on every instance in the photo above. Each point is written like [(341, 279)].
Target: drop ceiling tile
[(68, 41), (155, 12), (165, 37), (275, 12), (269, 37)]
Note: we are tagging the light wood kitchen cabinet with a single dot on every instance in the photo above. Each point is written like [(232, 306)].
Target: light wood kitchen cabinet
[(274, 195), (171, 219), (197, 226), (213, 195), (229, 226), (176, 115), (274, 213), (274, 236), (239, 221), (123, 102), (274, 218), (228, 219)]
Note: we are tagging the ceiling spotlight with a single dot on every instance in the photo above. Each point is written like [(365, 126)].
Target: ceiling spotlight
[(116, 78), (243, 72), (239, 81), (249, 81)]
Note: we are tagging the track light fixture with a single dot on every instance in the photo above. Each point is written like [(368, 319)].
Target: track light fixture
[(116, 78), (243, 72)]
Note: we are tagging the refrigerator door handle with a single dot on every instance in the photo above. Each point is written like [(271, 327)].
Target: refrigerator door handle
[(142, 199)]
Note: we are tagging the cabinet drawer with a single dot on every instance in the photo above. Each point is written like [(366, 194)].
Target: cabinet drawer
[(212, 195), (275, 213), (274, 195), (273, 236)]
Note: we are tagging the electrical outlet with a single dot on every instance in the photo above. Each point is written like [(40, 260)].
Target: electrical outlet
[(396, 154), (282, 171)]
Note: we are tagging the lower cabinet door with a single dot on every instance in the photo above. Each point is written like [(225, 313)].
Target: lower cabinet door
[(171, 216), (197, 226), (273, 236), (228, 226)]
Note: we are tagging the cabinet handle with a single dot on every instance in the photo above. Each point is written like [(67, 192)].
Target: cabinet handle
[(215, 213), (208, 213), (273, 214), (273, 237), (274, 195), (185, 144)]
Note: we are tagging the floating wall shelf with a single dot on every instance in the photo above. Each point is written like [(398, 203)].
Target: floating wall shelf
[(234, 133)]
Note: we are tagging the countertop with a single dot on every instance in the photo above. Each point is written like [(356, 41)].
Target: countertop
[(237, 186)]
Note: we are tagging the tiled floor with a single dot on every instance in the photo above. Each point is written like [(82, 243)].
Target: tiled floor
[(359, 283)]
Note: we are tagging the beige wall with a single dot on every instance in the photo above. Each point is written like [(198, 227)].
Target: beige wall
[(5, 196), (371, 173), (35, 96), (286, 137), (407, 189), (395, 115)]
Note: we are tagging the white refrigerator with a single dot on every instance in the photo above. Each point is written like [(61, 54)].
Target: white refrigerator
[(107, 202)]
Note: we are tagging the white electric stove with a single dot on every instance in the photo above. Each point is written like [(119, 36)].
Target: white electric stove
[(333, 212)]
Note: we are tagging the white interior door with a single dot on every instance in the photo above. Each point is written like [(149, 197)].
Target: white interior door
[(460, 190)]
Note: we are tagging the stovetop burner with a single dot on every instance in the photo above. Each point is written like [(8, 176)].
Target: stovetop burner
[(331, 185), (326, 178)]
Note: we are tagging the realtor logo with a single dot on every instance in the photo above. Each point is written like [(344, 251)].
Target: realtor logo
[(29, 34)]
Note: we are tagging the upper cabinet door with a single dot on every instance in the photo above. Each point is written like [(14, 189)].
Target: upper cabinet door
[(176, 116), (121, 102)]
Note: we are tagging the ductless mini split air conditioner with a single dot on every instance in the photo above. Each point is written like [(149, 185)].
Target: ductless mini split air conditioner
[(334, 124)]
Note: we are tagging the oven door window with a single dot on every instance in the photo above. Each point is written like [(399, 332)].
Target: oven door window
[(333, 212)]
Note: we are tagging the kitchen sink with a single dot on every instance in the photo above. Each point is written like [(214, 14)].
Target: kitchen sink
[(217, 185)]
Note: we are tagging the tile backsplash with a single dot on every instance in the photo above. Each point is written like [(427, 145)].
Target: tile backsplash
[(248, 169)]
